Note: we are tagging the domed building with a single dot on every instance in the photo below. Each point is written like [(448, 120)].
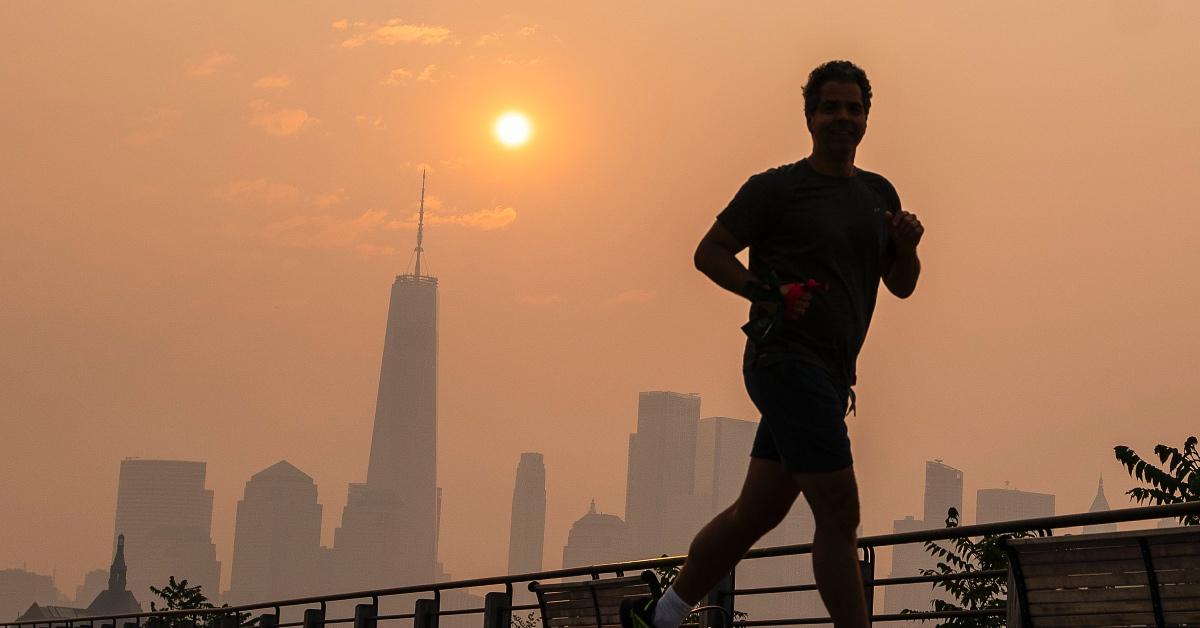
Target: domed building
[(596, 538)]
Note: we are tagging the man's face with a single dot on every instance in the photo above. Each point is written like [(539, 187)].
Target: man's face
[(840, 120)]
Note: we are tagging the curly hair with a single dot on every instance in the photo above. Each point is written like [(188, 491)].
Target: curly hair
[(835, 71)]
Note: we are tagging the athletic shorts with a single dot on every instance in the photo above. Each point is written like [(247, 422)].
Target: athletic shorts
[(803, 416)]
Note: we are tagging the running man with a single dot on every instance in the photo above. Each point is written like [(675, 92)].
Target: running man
[(817, 222)]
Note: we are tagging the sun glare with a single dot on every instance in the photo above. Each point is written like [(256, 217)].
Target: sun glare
[(513, 129)]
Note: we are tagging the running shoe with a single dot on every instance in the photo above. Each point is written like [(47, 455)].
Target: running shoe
[(638, 612)]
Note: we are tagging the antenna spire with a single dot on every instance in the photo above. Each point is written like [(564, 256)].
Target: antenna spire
[(420, 227)]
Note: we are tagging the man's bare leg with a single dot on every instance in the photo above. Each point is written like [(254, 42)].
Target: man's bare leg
[(766, 497), (833, 498), (765, 500)]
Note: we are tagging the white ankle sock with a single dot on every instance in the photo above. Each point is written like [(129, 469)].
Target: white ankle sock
[(670, 610)]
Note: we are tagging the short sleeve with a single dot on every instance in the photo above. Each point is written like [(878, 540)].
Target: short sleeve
[(749, 215)]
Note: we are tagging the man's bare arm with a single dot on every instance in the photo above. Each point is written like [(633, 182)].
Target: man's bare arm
[(716, 257), (901, 275)]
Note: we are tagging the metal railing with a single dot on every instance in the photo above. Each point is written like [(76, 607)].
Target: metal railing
[(498, 605)]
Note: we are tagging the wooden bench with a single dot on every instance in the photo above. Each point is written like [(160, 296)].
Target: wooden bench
[(1137, 578), (591, 603)]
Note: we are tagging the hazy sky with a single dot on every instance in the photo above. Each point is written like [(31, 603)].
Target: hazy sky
[(204, 206)]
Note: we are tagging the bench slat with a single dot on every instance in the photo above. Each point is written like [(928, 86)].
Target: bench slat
[(1113, 619), (614, 598), (566, 596), (1175, 562), (1065, 596), (1179, 590), (570, 609), (1095, 607), (1181, 604), (1034, 583), (1174, 549), (1061, 556), (1086, 567), (1187, 617), (563, 622)]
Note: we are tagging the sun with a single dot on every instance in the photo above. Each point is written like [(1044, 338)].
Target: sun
[(513, 129)]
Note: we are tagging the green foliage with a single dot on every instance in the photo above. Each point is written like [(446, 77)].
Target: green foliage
[(1177, 482), (532, 620), (964, 556), (178, 596)]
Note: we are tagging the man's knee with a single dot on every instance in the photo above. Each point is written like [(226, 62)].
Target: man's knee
[(838, 516), (834, 502)]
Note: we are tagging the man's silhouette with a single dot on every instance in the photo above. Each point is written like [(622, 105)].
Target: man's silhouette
[(817, 222)]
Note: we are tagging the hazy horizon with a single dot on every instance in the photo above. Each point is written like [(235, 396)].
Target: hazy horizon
[(205, 207)]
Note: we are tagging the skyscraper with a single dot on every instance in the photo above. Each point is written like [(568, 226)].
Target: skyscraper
[(660, 505), (165, 513), (277, 536), (1006, 504), (943, 491), (388, 534), (722, 458), (908, 560), (19, 588), (527, 533)]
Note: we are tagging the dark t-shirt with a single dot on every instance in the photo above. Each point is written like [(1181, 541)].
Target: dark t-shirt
[(806, 225)]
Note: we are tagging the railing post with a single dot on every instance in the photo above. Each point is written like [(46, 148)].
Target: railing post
[(721, 595), (364, 616), (268, 620), (426, 613), (866, 567), (1013, 605), (314, 618), (497, 610)]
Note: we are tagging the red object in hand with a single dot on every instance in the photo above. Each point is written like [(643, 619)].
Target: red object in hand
[(797, 290)]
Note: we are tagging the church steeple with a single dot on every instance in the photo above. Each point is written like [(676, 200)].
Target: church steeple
[(1100, 503), (116, 573)]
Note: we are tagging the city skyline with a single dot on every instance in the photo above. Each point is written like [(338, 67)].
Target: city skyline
[(796, 529), (205, 206)]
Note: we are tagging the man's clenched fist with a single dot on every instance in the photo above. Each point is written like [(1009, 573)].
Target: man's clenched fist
[(905, 229)]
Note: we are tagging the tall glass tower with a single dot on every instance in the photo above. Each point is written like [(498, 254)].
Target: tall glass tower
[(389, 526)]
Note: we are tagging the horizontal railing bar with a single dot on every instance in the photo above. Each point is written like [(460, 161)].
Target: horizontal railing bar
[(460, 611), (400, 616), (794, 588), (968, 575), (1141, 513), (524, 607)]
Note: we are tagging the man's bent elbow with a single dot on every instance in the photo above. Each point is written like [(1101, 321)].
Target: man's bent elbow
[(903, 292), (700, 257)]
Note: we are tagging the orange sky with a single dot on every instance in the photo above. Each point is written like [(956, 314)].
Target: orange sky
[(204, 206)]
